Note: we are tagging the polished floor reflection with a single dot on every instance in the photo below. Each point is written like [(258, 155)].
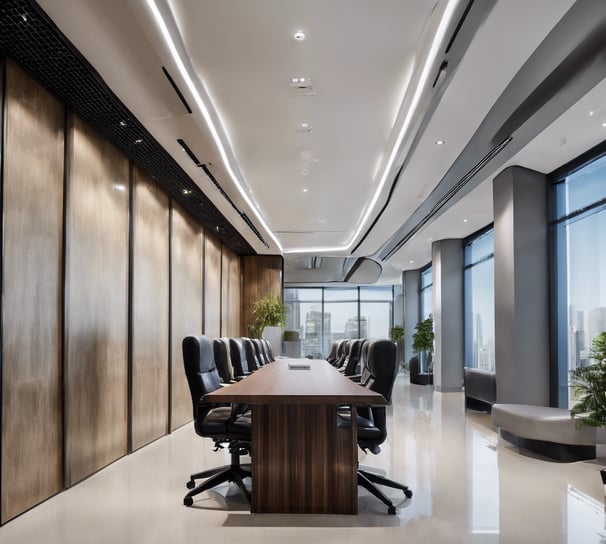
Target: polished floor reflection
[(469, 487)]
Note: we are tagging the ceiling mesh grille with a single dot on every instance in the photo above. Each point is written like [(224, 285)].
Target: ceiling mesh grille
[(32, 40)]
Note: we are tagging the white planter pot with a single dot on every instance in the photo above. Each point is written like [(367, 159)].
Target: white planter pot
[(274, 336)]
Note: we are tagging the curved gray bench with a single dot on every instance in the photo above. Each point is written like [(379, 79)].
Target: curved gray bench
[(545, 430)]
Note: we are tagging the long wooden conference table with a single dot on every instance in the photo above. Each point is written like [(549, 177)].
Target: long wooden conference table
[(302, 462)]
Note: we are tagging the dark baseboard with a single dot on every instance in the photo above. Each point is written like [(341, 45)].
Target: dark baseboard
[(478, 405), (567, 453)]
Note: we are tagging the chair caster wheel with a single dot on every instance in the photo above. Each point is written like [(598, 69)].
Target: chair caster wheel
[(408, 493), (191, 484), (188, 501), (391, 510)]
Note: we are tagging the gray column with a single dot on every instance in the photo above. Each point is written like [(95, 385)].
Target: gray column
[(411, 283), (448, 314), (521, 286)]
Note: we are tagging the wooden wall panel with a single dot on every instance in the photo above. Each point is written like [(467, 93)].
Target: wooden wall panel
[(150, 308), (96, 376), (261, 274), (212, 286), (230, 293), (31, 304), (187, 240)]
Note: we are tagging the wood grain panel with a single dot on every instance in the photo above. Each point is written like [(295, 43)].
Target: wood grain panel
[(96, 303), (261, 274), (31, 305), (212, 286), (187, 239), (230, 293), (150, 308), (302, 463)]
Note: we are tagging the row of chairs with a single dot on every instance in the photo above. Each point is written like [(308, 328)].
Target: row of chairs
[(350, 358), (231, 425), (236, 358)]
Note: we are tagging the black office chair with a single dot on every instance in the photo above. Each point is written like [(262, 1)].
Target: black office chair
[(268, 350), (251, 354), (351, 363), (332, 355), (223, 423), (364, 376), (338, 360), (238, 358), (223, 360), (260, 350), (372, 421), (342, 362)]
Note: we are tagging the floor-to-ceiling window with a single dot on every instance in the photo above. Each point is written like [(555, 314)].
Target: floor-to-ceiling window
[(579, 229), (479, 301), (426, 292), (323, 315)]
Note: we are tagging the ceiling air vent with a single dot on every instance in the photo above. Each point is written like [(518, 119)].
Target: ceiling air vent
[(302, 86)]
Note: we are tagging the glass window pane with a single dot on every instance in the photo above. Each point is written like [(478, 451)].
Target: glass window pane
[(340, 294), (426, 277), (426, 302), (376, 293), (584, 244), (303, 294), (479, 316), (341, 320), (480, 248), (584, 187), (375, 319)]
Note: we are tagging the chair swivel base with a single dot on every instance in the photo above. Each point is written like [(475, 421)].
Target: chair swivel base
[(368, 480), (216, 476)]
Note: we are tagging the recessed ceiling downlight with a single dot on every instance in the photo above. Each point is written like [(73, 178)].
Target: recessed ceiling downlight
[(299, 35), (303, 127)]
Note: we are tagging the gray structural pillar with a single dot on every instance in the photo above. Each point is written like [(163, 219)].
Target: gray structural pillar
[(521, 286), (448, 314), (411, 284)]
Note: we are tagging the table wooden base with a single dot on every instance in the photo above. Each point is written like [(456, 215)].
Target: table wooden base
[(301, 461)]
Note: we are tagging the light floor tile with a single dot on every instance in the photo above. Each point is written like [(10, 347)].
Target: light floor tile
[(469, 487)]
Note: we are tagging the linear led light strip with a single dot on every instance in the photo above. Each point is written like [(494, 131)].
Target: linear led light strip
[(189, 76), (433, 53), (186, 70)]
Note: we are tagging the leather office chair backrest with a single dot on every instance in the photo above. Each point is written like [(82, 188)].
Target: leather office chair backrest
[(364, 370), (383, 367), (268, 350), (260, 349), (251, 354), (353, 358), (223, 359), (238, 357), (332, 355), (343, 353), (201, 373)]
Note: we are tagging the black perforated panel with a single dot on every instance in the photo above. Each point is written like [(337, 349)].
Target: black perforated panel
[(33, 41)]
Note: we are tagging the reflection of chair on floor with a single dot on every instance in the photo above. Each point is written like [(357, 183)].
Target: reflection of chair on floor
[(372, 420), (223, 423)]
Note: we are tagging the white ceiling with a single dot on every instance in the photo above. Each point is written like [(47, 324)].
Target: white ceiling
[(364, 57)]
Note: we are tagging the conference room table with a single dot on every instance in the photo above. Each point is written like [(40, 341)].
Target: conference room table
[(302, 461)]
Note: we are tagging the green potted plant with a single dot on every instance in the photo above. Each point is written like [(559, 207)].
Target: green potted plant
[(396, 333), (270, 316), (422, 345), (589, 384)]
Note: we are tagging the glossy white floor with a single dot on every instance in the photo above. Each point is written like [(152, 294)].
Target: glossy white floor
[(469, 487)]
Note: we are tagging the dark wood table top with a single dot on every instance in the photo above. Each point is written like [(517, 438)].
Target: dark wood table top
[(276, 383)]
